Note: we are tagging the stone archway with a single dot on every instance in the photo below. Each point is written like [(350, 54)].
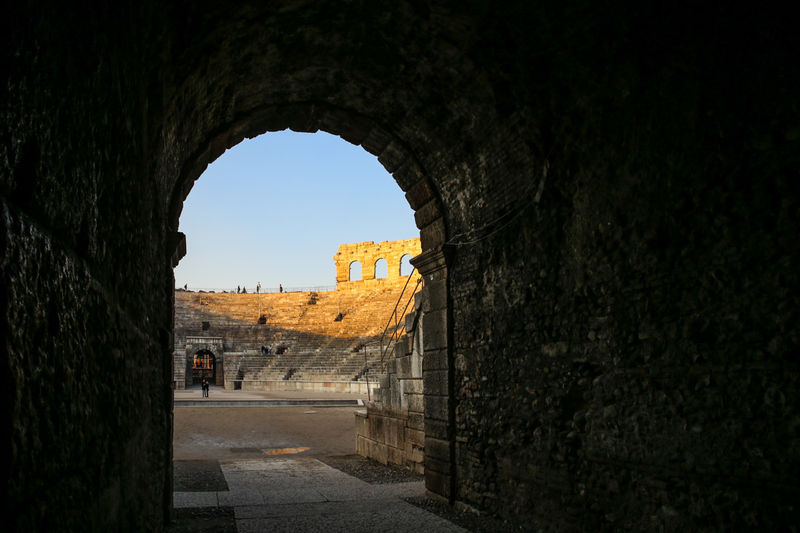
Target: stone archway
[(204, 366), (606, 198), (430, 263)]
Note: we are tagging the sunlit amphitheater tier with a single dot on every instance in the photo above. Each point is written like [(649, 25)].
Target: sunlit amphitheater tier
[(309, 340)]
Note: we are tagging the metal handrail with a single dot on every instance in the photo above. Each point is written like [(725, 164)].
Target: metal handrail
[(264, 290), (399, 320)]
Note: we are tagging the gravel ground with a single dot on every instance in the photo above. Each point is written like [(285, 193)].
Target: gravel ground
[(203, 520), (469, 520), (370, 471), (376, 473)]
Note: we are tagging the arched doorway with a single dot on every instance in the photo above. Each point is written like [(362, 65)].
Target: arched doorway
[(204, 365), (422, 194)]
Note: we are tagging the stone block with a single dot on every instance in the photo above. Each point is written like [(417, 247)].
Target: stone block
[(400, 349), (415, 402), (409, 322), (362, 423), (376, 450), (434, 235), (435, 428), (416, 365), (415, 453), (415, 437), (435, 382), (407, 174), (392, 157), (437, 482), (437, 449), (420, 194), (435, 407), (394, 432), (435, 295), (434, 360), (396, 399), (395, 456), (404, 367), (412, 386), (426, 214), (435, 327), (416, 420), (376, 141), (362, 445), (376, 423)]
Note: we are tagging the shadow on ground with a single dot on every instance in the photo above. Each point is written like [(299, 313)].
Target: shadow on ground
[(206, 476)]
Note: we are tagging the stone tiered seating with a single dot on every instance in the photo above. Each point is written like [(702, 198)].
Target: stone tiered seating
[(319, 347)]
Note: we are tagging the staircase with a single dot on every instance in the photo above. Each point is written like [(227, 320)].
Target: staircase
[(319, 348)]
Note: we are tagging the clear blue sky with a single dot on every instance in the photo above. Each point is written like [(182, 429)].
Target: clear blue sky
[(276, 208)]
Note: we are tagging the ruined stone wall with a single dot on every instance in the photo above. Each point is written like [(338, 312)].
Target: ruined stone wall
[(368, 254)]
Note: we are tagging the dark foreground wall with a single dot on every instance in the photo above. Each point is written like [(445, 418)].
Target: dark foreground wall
[(626, 344), (86, 289), (612, 191)]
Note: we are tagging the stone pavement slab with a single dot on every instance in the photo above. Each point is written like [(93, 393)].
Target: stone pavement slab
[(304, 494)]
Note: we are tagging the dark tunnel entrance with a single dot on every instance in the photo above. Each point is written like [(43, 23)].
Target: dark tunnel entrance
[(608, 212)]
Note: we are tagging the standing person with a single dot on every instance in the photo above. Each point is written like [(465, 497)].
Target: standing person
[(204, 386), (280, 287)]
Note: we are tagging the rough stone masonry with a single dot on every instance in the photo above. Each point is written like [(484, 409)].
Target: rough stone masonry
[(608, 209)]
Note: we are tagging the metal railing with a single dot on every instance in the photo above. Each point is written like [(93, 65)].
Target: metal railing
[(264, 290), (398, 329)]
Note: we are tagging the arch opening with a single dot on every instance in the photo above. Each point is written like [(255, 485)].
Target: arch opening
[(355, 271), (381, 269), (204, 365), (399, 160), (405, 267)]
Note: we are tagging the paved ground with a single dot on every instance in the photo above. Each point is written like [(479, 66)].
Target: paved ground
[(253, 468), (230, 395)]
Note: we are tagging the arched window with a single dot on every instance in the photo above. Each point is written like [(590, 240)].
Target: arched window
[(355, 271), (381, 269), (405, 265)]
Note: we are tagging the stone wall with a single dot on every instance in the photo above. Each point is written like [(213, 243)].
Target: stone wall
[(391, 429), (368, 254), (608, 211), (318, 346), (85, 273)]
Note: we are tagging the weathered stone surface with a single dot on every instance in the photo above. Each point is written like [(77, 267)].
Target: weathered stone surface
[(367, 254), (435, 328), (415, 402), (618, 241)]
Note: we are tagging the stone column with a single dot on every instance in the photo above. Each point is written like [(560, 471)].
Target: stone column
[(436, 377)]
